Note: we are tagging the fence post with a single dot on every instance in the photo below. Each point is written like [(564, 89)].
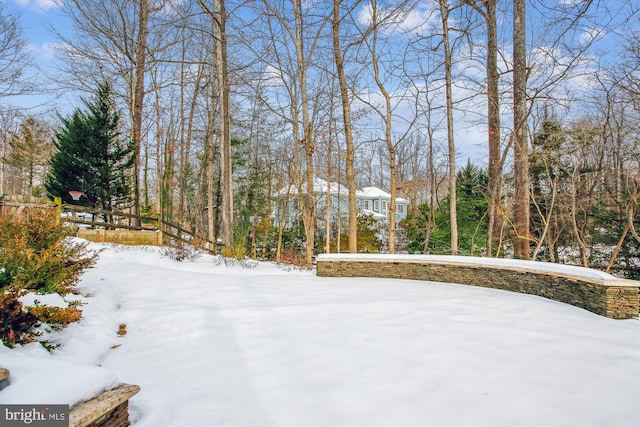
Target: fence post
[(58, 202)]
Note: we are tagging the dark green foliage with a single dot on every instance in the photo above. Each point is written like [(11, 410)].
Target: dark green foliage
[(251, 198), (550, 179), (368, 239), (471, 185), (368, 236), (292, 236), (91, 156), (416, 227)]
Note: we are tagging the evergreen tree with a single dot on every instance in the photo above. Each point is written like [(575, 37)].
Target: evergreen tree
[(29, 152), (550, 179), (471, 191), (91, 156)]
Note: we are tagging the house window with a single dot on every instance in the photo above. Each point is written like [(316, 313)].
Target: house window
[(376, 205), (367, 205), (385, 206), (400, 209)]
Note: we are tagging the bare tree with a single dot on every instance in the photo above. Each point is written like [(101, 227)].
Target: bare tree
[(487, 9), (308, 201), (29, 150), (520, 146), (339, 58), (112, 40), (444, 13), (14, 57), (218, 17)]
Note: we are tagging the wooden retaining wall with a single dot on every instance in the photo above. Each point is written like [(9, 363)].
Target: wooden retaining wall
[(592, 290), (124, 237)]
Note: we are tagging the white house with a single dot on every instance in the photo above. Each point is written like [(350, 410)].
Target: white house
[(370, 200)]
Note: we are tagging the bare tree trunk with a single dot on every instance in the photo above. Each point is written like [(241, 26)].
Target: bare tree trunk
[(577, 230), (186, 152), (160, 202), (281, 224), (432, 191), (348, 132), (494, 169), (495, 165), (308, 205), (138, 100), (327, 237), (387, 131), (218, 17), (210, 159), (521, 145), (453, 216), (224, 124)]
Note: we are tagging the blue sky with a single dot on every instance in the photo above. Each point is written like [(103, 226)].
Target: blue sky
[(35, 18), (37, 15)]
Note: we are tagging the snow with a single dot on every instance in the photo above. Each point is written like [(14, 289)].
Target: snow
[(372, 213), (216, 345), (52, 300), (376, 193), (512, 264), (319, 186)]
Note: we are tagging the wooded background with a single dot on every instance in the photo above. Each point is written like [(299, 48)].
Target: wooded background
[(227, 102)]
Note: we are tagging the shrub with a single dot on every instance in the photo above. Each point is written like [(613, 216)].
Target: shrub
[(56, 317), (37, 256), (237, 251), (291, 257), (181, 253), (15, 323)]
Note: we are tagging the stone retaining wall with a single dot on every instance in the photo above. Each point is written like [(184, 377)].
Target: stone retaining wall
[(589, 289), (109, 409)]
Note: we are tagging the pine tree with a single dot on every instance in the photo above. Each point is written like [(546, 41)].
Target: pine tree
[(29, 152), (472, 207), (92, 157)]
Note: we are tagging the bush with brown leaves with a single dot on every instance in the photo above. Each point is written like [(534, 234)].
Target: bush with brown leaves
[(37, 256)]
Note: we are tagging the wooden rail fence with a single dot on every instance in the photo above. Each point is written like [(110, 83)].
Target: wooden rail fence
[(172, 234)]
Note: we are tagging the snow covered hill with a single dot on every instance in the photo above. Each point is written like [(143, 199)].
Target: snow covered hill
[(215, 345)]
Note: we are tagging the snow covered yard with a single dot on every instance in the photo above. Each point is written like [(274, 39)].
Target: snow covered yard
[(214, 345)]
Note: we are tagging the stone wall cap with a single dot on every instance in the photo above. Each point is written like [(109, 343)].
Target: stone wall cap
[(562, 270), (85, 413)]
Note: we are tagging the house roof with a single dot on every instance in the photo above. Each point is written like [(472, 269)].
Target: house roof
[(321, 186), (375, 215), (376, 193)]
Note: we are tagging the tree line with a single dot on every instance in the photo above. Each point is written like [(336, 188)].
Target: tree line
[(224, 103)]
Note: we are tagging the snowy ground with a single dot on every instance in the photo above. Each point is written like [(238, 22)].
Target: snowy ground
[(213, 345)]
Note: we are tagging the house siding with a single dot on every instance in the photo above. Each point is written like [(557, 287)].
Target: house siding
[(378, 203)]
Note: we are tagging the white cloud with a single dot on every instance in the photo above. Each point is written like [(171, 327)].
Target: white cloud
[(590, 35), (44, 51), (48, 50), (421, 19), (40, 5), (273, 77), (418, 20)]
